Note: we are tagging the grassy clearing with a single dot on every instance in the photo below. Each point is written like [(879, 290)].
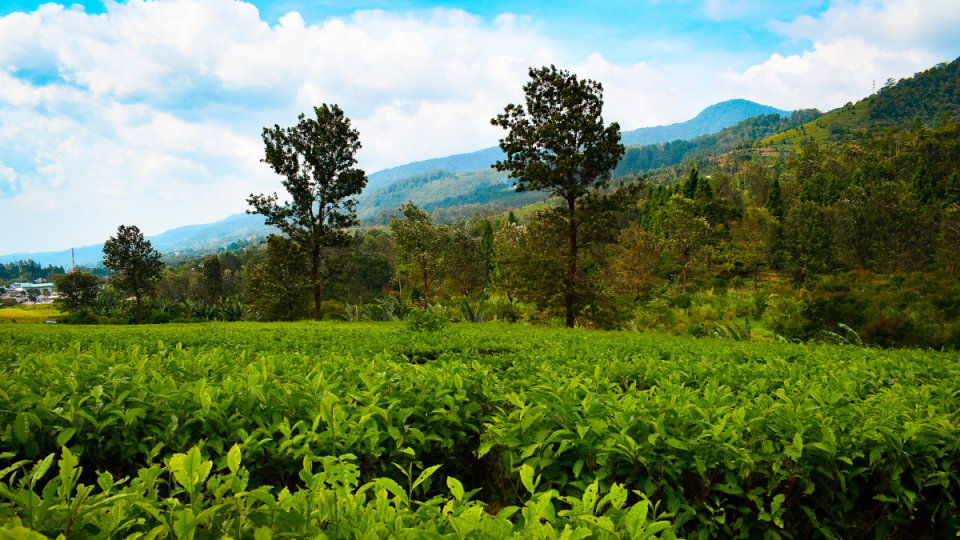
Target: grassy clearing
[(29, 314)]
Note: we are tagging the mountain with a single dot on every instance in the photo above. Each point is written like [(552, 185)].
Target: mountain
[(218, 234), (644, 158), (443, 189), (710, 120), (474, 161)]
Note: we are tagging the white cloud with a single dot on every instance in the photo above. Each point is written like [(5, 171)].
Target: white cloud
[(827, 77), (151, 113), (8, 181), (888, 24), (853, 44)]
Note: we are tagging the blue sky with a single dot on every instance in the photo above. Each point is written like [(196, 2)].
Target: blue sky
[(149, 112)]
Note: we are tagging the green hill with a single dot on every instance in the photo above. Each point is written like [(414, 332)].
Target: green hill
[(926, 98), (644, 158), (443, 189), (474, 161)]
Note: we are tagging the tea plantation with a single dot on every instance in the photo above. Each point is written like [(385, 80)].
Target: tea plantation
[(370, 430)]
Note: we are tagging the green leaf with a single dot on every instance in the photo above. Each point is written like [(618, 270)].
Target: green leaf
[(456, 488), (65, 436), (233, 459), (424, 475), (21, 428), (676, 444), (526, 476)]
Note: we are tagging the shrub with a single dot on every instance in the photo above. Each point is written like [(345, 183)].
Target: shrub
[(419, 321)]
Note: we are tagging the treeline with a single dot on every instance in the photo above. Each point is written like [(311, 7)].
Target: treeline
[(28, 270), (927, 96)]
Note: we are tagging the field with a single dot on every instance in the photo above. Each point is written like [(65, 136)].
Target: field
[(370, 430), (29, 314)]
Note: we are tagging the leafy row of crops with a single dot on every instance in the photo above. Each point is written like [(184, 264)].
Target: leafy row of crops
[(557, 432)]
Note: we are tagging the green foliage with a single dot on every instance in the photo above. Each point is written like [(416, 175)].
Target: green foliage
[(611, 434), (927, 96), (316, 159), (78, 290), (558, 144), (426, 321), (134, 265)]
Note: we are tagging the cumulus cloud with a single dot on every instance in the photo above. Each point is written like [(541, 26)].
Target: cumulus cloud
[(8, 181), (827, 77), (151, 113), (889, 24), (853, 45)]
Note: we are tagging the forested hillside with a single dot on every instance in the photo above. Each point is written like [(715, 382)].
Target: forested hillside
[(443, 190), (474, 161), (644, 158)]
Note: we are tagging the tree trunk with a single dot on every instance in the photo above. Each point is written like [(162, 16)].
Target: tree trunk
[(139, 316), (683, 268), (572, 270), (755, 266), (317, 292)]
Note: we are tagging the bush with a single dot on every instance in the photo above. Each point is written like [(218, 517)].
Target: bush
[(160, 317), (889, 332), (82, 316), (418, 321)]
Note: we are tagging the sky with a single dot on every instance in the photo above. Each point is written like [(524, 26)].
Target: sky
[(150, 112)]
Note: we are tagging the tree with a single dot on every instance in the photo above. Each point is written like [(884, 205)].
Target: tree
[(808, 231), (775, 200), (535, 265), (950, 239), (279, 284), (633, 261), (465, 266), (691, 184), (682, 230), (952, 195), (506, 247), (211, 276), (559, 144), (134, 264), (78, 290), (903, 231), (420, 244), (316, 159), (486, 243), (754, 236), (922, 185), (855, 225)]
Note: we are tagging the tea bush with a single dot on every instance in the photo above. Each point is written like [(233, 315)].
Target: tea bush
[(370, 430)]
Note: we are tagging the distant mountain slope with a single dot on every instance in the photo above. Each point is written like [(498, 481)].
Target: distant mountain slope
[(644, 158), (220, 233), (443, 189), (474, 161), (925, 98), (709, 121)]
